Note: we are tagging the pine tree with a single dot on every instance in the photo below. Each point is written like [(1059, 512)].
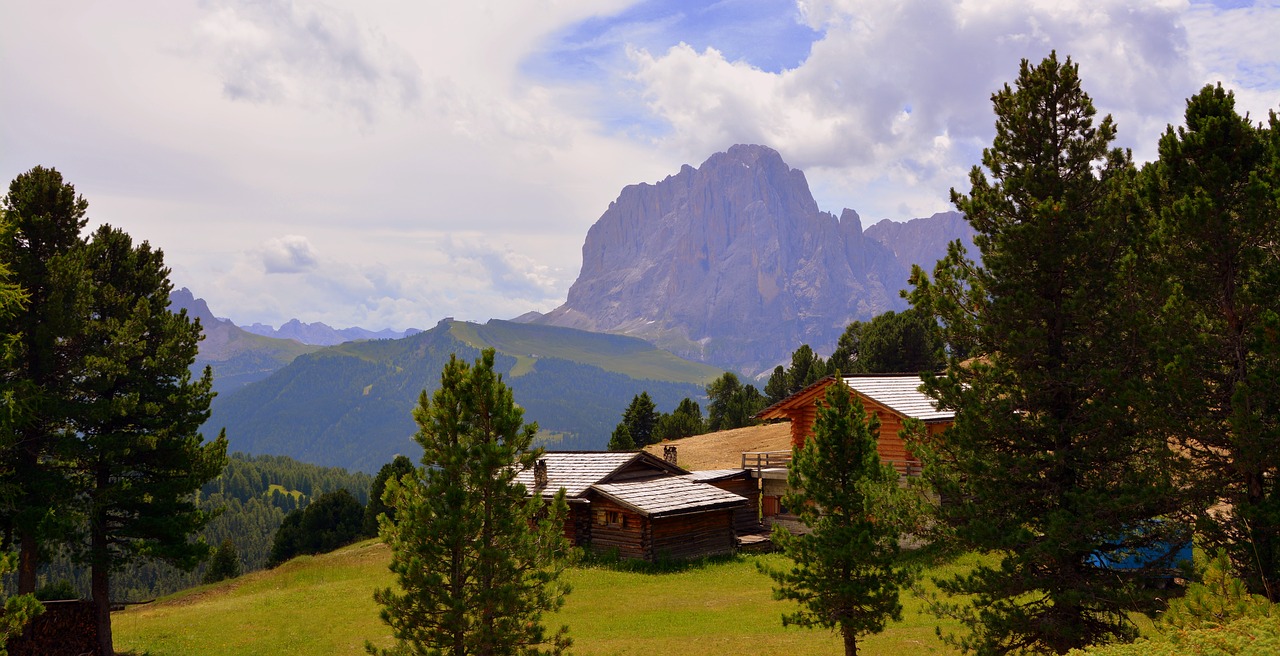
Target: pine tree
[(1050, 450), (478, 558), (393, 470), (43, 219), (640, 418), (225, 563), (846, 575), (1213, 192), (730, 404), (139, 457), (684, 421), (621, 439)]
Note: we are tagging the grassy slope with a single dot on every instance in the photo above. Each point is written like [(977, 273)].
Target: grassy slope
[(323, 605), (619, 354)]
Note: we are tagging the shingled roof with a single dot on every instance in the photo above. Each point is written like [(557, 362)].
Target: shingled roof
[(576, 471), (901, 394), (668, 496)]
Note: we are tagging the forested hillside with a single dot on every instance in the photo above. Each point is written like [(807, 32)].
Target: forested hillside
[(251, 498), (349, 405)]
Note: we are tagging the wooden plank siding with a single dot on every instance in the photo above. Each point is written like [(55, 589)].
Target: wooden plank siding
[(629, 536), (746, 519), (692, 536)]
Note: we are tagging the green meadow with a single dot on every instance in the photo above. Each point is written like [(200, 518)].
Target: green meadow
[(323, 605)]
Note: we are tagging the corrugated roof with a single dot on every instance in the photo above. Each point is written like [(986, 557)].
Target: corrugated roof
[(672, 495), (901, 394)]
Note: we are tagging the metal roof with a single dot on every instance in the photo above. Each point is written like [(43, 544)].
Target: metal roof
[(901, 394), (672, 495)]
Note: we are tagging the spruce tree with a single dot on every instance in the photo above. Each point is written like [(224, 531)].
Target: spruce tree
[(1050, 461), (621, 439), (477, 557), (1213, 195), (225, 563), (138, 456), (846, 576)]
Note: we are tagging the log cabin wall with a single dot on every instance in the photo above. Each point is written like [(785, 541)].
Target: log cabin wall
[(577, 525), (693, 535), (747, 518), (616, 528)]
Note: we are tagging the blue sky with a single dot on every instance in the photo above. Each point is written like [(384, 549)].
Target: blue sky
[(390, 163)]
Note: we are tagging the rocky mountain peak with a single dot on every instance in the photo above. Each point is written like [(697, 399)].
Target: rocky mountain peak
[(730, 263)]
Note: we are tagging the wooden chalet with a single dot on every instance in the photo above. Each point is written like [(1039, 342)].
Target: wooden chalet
[(637, 504), (890, 397)]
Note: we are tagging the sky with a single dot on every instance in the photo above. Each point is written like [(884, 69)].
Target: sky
[(389, 163)]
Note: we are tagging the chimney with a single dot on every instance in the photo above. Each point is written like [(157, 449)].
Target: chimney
[(540, 474), (669, 453)]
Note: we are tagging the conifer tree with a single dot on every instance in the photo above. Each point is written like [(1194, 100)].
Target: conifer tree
[(394, 470), (730, 404), (621, 439), (43, 217), (476, 556), (138, 456), (640, 418), (845, 575), (1050, 451), (1213, 193), (225, 563)]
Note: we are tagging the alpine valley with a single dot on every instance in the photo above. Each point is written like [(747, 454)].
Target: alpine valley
[(729, 266)]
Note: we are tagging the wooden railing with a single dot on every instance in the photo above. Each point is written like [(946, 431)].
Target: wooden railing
[(759, 460), (765, 459)]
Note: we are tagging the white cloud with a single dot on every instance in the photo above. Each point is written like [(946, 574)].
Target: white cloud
[(288, 254)]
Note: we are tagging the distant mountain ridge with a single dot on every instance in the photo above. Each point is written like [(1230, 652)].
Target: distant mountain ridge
[(321, 334), (237, 357), (733, 264), (350, 405)]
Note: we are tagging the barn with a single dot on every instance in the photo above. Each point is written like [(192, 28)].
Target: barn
[(637, 505)]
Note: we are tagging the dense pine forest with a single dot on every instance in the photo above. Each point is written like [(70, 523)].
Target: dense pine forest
[(250, 499)]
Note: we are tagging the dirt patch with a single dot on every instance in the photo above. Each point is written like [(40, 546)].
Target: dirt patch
[(723, 449)]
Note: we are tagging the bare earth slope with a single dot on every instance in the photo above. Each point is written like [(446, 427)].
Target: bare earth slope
[(723, 449)]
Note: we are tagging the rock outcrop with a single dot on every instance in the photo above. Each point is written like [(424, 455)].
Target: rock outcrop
[(731, 264)]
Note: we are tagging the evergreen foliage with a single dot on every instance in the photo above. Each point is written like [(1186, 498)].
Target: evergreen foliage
[(684, 421), (376, 507), (1215, 601), (139, 457), (1049, 451), (225, 563), (892, 342), (1214, 195), (640, 417), (17, 609), (43, 217), (846, 575), (331, 520), (730, 404), (621, 439), (477, 560)]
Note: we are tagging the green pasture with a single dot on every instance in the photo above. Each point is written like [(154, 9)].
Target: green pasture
[(323, 605)]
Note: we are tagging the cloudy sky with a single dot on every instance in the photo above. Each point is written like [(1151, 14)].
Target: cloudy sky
[(388, 163)]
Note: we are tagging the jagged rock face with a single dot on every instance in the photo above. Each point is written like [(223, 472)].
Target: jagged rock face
[(731, 263)]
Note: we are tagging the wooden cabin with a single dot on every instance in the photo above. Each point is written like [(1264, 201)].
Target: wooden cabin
[(637, 504), (890, 397)]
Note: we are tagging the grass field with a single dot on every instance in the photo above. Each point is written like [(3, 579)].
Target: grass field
[(323, 605)]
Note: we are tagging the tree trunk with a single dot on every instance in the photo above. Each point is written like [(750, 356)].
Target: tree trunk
[(850, 642), (101, 588), (28, 560)]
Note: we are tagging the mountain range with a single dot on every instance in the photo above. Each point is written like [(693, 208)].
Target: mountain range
[(734, 264), (321, 334)]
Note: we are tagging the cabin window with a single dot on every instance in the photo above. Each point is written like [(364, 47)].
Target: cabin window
[(612, 518)]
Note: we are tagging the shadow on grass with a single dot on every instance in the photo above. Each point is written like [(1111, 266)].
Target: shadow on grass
[(663, 565)]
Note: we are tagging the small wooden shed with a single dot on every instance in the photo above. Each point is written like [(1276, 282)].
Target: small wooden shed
[(637, 504)]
